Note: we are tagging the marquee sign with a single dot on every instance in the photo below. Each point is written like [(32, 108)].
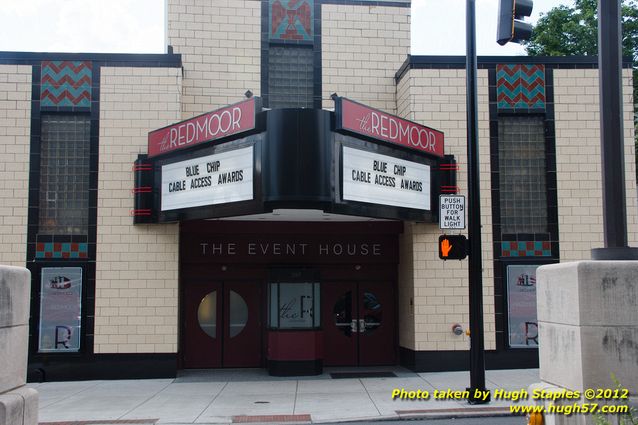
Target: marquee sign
[(209, 180), (224, 122), (385, 180), (251, 174), (366, 121)]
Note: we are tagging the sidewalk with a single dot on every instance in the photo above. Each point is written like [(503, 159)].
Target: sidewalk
[(242, 396)]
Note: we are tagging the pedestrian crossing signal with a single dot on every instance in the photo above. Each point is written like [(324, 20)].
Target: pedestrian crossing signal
[(452, 247)]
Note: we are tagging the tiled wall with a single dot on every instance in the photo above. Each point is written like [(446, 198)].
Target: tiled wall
[(578, 162), (136, 266), (362, 48), (220, 43), (15, 124), (436, 97)]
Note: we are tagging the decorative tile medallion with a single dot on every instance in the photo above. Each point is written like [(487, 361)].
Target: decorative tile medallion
[(66, 83), (61, 250), (291, 20), (520, 86), (526, 249)]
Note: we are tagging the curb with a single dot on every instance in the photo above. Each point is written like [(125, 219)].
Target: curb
[(480, 412)]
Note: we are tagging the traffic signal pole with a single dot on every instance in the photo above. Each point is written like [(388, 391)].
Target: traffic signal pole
[(611, 135), (477, 348)]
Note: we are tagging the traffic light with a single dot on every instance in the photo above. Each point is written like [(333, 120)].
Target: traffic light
[(452, 247), (510, 26)]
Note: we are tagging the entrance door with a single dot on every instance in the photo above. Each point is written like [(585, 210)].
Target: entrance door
[(222, 325), (358, 323)]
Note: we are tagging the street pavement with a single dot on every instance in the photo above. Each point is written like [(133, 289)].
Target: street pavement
[(499, 420), (251, 396)]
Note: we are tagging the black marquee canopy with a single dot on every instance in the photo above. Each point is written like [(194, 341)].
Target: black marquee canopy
[(292, 159)]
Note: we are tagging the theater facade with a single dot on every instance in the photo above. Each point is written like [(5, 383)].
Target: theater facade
[(266, 193)]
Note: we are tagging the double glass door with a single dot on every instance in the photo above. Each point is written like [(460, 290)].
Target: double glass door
[(222, 325), (358, 323)]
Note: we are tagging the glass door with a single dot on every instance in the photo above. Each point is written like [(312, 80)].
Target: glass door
[(202, 320), (242, 331), (222, 325), (358, 323)]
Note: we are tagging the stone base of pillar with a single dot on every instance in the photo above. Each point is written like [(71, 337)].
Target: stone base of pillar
[(18, 404), (588, 334)]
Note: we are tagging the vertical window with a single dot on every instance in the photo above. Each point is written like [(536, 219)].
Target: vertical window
[(290, 76), (64, 175), (522, 169), (294, 306)]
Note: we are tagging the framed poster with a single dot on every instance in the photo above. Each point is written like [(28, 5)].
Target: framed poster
[(60, 309), (521, 306), (294, 305)]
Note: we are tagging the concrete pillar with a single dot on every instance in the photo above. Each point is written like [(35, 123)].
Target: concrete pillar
[(18, 404), (588, 330)]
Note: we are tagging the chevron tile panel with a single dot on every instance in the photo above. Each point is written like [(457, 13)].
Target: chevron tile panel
[(66, 83), (520, 86), (291, 20)]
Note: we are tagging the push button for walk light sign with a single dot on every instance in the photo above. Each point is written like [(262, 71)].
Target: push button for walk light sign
[(452, 212), (452, 247)]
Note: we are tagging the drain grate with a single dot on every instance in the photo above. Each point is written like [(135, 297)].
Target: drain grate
[(357, 375)]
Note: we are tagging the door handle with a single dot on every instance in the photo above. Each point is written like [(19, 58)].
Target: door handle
[(353, 326), (362, 325)]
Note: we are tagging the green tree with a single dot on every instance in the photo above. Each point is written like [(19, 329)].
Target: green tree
[(573, 31), (568, 31)]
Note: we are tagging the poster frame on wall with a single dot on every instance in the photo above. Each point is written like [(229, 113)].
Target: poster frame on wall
[(510, 269), (73, 293)]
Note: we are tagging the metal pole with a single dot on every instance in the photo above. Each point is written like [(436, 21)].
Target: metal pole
[(611, 135), (477, 358)]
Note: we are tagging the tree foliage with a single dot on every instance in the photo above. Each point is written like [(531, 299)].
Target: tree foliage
[(573, 31), (568, 31)]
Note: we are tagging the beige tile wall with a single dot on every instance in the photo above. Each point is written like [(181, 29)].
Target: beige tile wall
[(136, 266), (15, 128), (220, 43), (406, 242), (436, 98), (362, 48), (578, 162)]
